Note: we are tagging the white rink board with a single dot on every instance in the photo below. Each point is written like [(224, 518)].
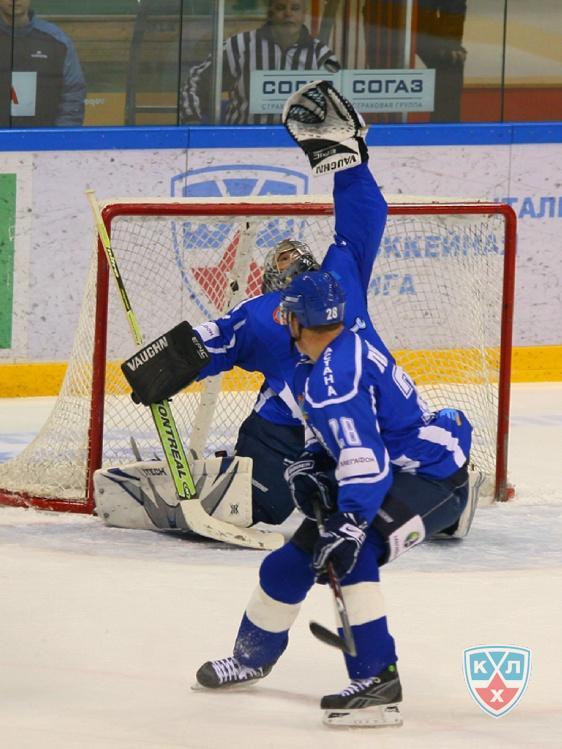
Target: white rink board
[(61, 224)]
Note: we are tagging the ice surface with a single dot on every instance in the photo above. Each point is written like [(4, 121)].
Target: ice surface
[(102, 630)]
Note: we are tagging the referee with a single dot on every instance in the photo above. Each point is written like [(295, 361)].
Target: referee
[(282, 43)]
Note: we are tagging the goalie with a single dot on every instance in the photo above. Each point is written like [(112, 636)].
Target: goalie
[(331, 134), (250, 336)]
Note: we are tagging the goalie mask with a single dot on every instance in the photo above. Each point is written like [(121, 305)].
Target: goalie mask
[(287, 260)]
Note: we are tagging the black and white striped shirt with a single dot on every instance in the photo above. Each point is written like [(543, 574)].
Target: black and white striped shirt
[(243, 53)]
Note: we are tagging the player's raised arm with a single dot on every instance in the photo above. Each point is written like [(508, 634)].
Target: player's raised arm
[(360, 213), (332, 133)]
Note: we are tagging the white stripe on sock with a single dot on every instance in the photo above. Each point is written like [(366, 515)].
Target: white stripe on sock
[(364, 602), (267, 613)]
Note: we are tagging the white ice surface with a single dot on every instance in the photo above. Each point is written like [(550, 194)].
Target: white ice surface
[(102, 630)]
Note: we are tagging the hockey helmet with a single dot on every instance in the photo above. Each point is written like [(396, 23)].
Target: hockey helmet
[(314, 298), (288, 259)]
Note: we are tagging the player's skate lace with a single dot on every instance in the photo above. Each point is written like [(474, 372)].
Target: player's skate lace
[(358, 685), (382, 689), (228, 671)]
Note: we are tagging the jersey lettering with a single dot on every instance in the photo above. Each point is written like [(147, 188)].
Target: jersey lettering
[(335, 427), (377, 357), (350, 435), (403, 381), (328, 373), (349, 431)]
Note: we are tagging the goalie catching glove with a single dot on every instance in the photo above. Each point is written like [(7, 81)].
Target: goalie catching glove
[(327, 127), (166, 365)]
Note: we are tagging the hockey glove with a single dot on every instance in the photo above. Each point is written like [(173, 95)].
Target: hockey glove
[(166, 365), (311, 480), (340, 542), (326, 127)]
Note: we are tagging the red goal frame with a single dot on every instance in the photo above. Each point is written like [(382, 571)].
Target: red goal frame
[(114, 210)]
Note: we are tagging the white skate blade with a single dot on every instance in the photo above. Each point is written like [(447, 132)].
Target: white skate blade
[(378, 716), (196, 687)]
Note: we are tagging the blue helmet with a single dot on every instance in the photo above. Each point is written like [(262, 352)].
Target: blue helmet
[(314, 298)]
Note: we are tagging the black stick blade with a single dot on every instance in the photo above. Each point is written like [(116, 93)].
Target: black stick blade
[(330, 638)]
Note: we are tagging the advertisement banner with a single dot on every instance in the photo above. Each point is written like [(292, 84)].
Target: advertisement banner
[(369, 90), (54, 233), (16, 314), (269, 89), (7, 233), (390, 90)]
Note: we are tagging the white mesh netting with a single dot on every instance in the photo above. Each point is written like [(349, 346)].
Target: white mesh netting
[(435, 296)]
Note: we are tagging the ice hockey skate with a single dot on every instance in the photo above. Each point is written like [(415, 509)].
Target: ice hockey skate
[(371, 703), (228, 673)]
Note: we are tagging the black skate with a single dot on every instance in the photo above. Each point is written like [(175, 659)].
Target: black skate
[(228, 672), (366, 702)]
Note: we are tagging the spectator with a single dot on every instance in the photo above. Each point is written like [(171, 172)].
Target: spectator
[(282, 43), (438, 45), (41, 81)]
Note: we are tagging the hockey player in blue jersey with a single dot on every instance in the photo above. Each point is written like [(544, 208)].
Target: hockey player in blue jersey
[(331, 133), (400, 476)]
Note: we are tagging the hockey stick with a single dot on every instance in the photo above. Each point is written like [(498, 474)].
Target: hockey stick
[(161, 412), (235, 293), (347, 642), (195, 516)]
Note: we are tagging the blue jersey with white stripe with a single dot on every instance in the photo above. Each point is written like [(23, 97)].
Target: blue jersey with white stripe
[(366, 411), (250, 336)]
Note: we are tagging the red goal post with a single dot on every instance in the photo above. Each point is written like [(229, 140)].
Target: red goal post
[(441, 296)]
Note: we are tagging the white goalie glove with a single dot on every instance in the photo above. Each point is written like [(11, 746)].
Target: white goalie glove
[(327, 127)]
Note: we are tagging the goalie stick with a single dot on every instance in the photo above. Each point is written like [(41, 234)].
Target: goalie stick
[(194, 514), (347, 642), (235, 293)]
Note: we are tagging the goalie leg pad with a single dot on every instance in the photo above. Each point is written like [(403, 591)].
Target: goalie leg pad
[(142, 495), (224, 486), (139, 496)]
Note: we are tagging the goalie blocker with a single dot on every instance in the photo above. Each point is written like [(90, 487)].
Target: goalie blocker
[(166, 365)]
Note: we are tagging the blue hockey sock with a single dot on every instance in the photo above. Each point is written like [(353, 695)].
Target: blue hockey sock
[(285, 579), (367, 613)]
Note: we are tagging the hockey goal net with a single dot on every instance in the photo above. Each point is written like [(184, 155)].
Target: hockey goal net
[(441, 296)]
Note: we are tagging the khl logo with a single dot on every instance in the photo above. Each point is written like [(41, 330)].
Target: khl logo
[(497, 676)]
